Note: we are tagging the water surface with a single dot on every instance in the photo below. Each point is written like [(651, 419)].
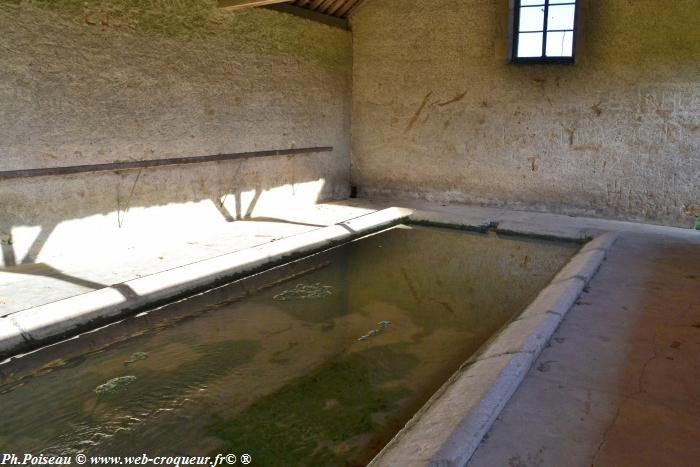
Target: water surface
[(317, 364)]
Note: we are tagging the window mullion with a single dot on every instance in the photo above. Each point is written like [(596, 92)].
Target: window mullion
[(544, 28)]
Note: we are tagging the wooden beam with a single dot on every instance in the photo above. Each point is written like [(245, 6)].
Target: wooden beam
[(231, 5), (312, 15), (114, 166)]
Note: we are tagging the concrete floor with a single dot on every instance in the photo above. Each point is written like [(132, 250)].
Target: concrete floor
[(619, 384)]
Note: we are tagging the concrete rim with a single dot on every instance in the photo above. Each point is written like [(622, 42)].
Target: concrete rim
[(450, 426)]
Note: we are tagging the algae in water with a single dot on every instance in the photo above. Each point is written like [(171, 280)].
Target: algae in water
[(324, 417), (305, 292), (383, 326), (114, 384), (135, 357)]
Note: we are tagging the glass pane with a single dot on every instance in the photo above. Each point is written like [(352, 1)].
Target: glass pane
[(560, 44), (530, 44), (531, 2), (561, 17), (532, 18), (552, 2)]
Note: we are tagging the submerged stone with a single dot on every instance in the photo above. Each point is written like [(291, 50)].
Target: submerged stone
[(136, 356), (383, 326), (114, 384), (305, 292)]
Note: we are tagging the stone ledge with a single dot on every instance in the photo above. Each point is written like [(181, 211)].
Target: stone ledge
[(441, 219), (546, 231), (526, 335), (57, 320), (451, 425), (602, 242), (557, 298), (583, 266), (10, 336)]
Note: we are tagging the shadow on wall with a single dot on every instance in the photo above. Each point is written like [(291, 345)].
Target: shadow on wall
[(91, 82), (91, 215), (80, 211)]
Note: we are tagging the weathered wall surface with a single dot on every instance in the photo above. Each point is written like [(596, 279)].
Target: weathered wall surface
[(92, 81), (438, 113)]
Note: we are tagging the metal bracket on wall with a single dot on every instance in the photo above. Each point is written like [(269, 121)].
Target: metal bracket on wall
[(115, 166)]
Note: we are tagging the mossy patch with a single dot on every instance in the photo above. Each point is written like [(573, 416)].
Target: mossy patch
[(314, 420), (114, 384), (305, 292), (323, 311)]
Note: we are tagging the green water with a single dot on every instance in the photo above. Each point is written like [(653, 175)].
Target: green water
[(319, 368)]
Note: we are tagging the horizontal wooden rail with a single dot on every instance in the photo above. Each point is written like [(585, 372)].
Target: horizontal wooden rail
[(231, 5), (77, 169)]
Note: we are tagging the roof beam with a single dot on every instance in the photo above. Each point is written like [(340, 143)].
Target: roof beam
[(230, 5), (311, 15)]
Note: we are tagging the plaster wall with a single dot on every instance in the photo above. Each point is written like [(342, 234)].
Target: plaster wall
[(438, 112), (91, 81)]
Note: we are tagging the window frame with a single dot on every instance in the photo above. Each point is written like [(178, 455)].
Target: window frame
[(514, 26)]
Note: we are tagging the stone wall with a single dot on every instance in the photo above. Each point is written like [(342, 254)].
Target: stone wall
[(438, 112), (91, 81)]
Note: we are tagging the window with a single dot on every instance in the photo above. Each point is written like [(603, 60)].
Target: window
[(543, 31)]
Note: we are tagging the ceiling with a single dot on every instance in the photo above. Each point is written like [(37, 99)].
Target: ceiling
[(332, 8), (337, 8)]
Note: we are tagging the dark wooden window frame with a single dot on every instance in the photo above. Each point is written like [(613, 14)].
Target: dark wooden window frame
[(514, 26)]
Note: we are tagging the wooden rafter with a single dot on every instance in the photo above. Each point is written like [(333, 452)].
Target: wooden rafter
[(240, 4), (335, 8)]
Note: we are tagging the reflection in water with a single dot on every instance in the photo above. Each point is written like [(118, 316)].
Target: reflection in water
[(325, 374)]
